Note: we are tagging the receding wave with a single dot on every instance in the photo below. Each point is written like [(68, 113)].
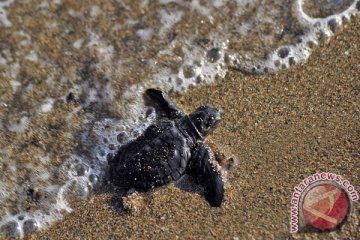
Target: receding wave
[(73, 72)]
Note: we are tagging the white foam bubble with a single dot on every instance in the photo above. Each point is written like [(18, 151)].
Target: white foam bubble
[(145, 34), (105, 50), (32, 56), (43, 5), (78, 43), (47, 105), (195, 5), (168, 20), (14, 85), (76, 14), (13, 70), (170, 1), (2, 61), (218, 3), (4, 21), (20, 126), (95, 11)]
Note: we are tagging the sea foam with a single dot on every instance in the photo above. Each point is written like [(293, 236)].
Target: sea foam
[(176, 45)]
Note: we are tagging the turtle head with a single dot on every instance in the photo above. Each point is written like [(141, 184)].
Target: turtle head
[(205, 119)]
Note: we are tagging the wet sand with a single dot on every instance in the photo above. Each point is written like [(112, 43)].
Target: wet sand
[(281, 128)]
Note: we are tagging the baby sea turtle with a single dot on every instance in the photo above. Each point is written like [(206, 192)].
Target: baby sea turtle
[(168, 148)]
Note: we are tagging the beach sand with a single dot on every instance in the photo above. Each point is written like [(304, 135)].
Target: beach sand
[(281, 128)]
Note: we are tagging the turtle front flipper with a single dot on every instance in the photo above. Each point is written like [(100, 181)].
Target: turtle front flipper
[(163, 105), (208, 174)]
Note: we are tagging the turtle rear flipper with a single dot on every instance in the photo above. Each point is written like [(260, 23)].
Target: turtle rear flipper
[(163, 105), (207, 175)]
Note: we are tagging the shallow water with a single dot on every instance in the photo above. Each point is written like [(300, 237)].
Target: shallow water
[(72, 76)]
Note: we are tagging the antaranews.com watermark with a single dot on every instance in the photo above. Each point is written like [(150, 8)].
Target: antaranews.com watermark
[(322, 200)]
